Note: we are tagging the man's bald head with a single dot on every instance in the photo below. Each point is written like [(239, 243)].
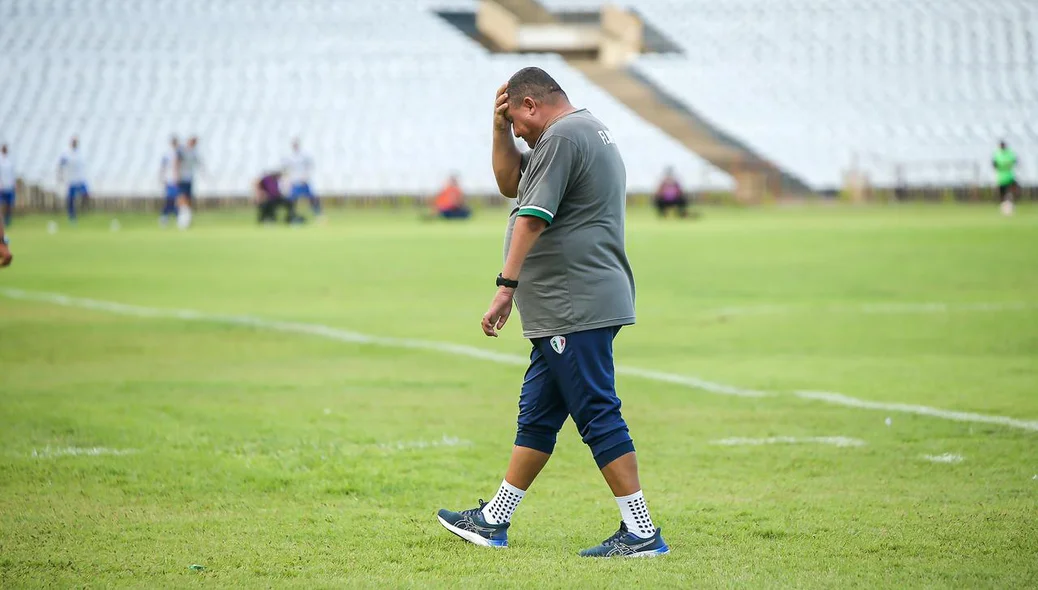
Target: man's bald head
[(533, 83)]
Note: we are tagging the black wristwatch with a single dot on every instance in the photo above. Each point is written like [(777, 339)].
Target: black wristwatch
[(509, 283)]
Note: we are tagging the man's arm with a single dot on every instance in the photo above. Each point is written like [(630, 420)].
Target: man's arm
[(506, 158), (549, 172), (524, 234)]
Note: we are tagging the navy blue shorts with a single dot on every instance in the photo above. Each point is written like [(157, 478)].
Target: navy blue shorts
[(7, 197), (572, 376), (186, 189)]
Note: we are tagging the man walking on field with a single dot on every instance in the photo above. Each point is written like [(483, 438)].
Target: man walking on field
[(567, 270)]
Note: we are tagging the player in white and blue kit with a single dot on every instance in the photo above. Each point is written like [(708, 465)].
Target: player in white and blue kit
[(297, 168), (72, 171), (169, 173), (189, 163), (7, 184)]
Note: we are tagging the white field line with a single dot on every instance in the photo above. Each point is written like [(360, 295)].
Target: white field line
[(851, 402), (689, 381), (404, 445), (48, 453), (836, 441), (503, 358), (353, 337), (945, 458), (934, 307)]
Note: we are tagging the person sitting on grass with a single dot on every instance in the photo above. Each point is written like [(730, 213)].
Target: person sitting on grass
[(269, 197), (670, 196), (450, 202)]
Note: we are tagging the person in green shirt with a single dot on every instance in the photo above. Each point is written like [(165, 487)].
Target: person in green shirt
[(1004, 161)]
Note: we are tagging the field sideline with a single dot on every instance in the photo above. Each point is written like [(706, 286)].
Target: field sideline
[(290, 406)]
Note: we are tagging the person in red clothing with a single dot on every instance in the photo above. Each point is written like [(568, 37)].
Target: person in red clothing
[(450, 202)]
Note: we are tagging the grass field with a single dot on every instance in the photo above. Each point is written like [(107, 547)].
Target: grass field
[(302, 422)]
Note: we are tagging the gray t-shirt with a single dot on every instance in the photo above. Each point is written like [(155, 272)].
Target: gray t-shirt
[(190, 161), (576, 277)]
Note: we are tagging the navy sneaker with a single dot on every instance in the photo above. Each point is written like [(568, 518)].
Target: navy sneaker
[(627, 544), (471, 526)]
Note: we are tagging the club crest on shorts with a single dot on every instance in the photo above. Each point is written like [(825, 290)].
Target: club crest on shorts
[(558, 343)]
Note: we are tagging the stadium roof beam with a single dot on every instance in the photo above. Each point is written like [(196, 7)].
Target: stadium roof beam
[(601, 45)]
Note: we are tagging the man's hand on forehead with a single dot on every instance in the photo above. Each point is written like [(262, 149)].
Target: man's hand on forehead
[(502, 120)]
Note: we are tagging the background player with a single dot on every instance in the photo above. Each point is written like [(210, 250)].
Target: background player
[(169, 175), (189, 164), (298, 167), (1004, 162), (8, 184), (5, 251), (72, 171)]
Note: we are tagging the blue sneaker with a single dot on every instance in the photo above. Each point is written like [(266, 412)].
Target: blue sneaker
[(627, 544), (471, 526)]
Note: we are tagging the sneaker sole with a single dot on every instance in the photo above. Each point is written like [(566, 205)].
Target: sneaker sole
[(469, 536), (655, 553)]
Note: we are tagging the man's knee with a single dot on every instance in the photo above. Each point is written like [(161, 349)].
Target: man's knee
[(539, 437), (606, 435), (606, 455)]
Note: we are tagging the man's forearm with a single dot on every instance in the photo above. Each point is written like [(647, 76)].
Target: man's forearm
[(506, 161), (524, 234)]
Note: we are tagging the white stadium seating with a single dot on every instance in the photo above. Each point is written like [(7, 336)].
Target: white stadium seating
[(929, 86), (386, 96)]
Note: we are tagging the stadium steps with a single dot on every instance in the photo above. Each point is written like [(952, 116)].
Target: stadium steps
[(528, 11), (753, 175)]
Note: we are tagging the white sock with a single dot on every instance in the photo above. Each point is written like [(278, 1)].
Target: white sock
[(635, 513), (184, 218), (505, 501)]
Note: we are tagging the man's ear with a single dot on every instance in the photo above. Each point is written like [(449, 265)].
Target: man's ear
[(529, 103)]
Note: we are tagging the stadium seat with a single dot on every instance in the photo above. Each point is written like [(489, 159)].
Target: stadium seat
[(387, 96), (815, 84)]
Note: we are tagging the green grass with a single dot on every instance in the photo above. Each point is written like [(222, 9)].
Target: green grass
[(272, 459)]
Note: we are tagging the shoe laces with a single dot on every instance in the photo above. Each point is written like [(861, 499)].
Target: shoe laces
[(475, 511), (613, 540)]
